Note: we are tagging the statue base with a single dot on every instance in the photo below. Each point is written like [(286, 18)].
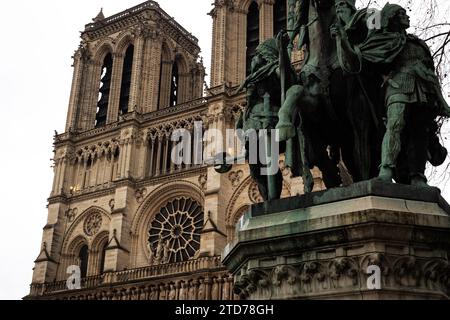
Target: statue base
[(372, 240)]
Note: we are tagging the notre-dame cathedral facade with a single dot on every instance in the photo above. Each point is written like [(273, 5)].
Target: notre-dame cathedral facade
[(137, 225)]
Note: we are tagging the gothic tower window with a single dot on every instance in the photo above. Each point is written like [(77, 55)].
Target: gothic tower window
[(105, 87), (279, 16), (252, 33), (83, 257), (174, 85), (126, 81)]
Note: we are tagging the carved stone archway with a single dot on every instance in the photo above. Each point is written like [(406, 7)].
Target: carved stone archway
[(151, 206)]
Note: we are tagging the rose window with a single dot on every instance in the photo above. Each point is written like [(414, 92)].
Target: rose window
[(93, 223), (177, 226)]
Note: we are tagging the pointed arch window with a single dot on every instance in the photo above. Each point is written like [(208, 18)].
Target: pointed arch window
[(174, 85), (83, 257), (126, 80), (252, 33), (105, 88), (279, 16)]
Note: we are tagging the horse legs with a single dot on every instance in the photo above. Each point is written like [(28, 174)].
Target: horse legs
[(285, 126)]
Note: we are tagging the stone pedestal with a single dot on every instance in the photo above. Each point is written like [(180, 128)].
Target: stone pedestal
[(369, 241)]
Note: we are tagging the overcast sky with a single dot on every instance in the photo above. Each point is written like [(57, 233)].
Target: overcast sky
[(39, 38)]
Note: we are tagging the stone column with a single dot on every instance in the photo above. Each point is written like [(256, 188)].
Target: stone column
[(241, 52), (85, 175), (129, 163), (140, 157), (158, 156), (90, 87), (185, 81), (94, 171), (265, 19), (151, 156), (75, 93), (136, 76), (62, 172), (208, 284), (213, 238), (104, 170), (47, 262), (93, 263), (165, 158), (172, 164), (198, 74), (55, 170), (118, 250), (165, 82), (195, 284), (150, 73), (76, 176), (59, 171), (219, 15), (191, 146), (116, 83)]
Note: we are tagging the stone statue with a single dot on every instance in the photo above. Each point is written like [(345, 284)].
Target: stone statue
[(159, 251), (191, 292), (183, 295), (201, 295), (413, 97), (166, 249), (151, 256), (172, 292)]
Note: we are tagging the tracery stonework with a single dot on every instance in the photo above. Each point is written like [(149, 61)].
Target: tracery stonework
[(178, 226), (93, 223), (253, 193)]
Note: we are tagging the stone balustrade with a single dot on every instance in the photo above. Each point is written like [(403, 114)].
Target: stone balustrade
[(200, 279)]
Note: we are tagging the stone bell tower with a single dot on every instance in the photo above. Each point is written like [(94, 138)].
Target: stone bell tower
[(137, 225)]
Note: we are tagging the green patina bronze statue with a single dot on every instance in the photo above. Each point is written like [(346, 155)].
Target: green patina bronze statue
[(331, 112), (261, 113), (367, 96), (413, 96)]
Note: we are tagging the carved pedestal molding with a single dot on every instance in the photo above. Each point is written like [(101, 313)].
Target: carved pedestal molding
[(368, 241)]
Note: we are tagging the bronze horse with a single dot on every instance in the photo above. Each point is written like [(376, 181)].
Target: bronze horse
[(328, 109)]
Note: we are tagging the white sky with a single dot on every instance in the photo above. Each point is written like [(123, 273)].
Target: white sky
[(39, 38)]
